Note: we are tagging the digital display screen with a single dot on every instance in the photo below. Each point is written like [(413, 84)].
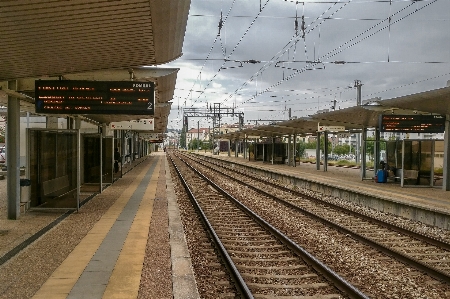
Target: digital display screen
[(412, 123), (94, 97)]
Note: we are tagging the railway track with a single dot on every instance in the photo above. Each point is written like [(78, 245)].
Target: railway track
[(262, 261), (420, 251)]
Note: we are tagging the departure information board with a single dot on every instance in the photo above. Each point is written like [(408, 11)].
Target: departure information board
[(412, 123), (94, 97)]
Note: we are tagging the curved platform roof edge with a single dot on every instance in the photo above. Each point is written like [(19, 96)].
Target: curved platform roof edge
[(355, 118), (53, 38)]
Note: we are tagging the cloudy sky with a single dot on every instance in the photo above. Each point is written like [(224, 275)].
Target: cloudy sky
[(263, 61)]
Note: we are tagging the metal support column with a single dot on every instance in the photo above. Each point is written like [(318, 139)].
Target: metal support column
[(273, 147), (358, 85), (77, 127), (325, 154), (198, 136), (446, 164), (131, 147), (318, 151), (229, 147), (295, 150), (377, 149), (13, 164), (264, 153), (245, 148), (289, 153), (101, 158), (403, 163), (364, 154)]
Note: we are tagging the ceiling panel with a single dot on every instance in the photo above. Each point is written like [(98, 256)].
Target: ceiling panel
[(48, 38)]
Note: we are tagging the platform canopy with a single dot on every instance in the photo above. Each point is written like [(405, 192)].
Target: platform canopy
[(355, 118), (435, 101), (164, 78), (92, 40)]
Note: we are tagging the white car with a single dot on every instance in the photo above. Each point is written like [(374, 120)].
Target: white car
[(2, 155)]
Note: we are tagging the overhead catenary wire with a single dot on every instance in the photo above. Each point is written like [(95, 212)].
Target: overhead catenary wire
[(350, 44), (234, 49), (286, 47), (346, 45), (223, 21)]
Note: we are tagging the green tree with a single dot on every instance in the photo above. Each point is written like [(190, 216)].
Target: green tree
[(341, 149), (322, 145), (183, 138), (310, 145), (370, 146), (195, 144), (301, 146)]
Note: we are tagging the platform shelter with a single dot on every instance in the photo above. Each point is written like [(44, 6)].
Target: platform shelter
[(423, 162)]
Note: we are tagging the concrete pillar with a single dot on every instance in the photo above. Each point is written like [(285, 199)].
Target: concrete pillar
[(13, 164), (77, 123), (52, 122), (446, 166)]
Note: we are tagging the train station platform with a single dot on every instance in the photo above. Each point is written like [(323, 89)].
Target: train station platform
[(126, 242), (424, 204)]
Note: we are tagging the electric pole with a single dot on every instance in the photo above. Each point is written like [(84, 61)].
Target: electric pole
[(358, 85)]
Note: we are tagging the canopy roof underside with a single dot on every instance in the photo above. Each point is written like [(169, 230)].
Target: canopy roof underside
[(92, 40)]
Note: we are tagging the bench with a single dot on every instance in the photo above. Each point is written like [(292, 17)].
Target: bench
[(56, 187), (278, 160), (395, 176), (410, 175)]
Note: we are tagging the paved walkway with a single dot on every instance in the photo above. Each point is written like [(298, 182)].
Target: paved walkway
[(108, 261)]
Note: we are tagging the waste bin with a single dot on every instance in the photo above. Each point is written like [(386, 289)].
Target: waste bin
[(381, 176), (25, 185)]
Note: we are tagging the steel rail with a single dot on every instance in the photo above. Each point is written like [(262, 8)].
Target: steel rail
[(240, 284), (435, 273), (328, 273), (399, 229)]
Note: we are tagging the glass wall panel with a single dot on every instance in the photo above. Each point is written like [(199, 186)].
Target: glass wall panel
[(91, 157), (438, 162), (53, 168), (426, 161), (108, 160)]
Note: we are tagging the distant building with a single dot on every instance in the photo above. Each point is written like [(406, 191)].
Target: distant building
[(202, 134)]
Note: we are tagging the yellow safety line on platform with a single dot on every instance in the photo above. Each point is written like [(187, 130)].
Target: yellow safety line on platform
[(66, 275), (126, 276)]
